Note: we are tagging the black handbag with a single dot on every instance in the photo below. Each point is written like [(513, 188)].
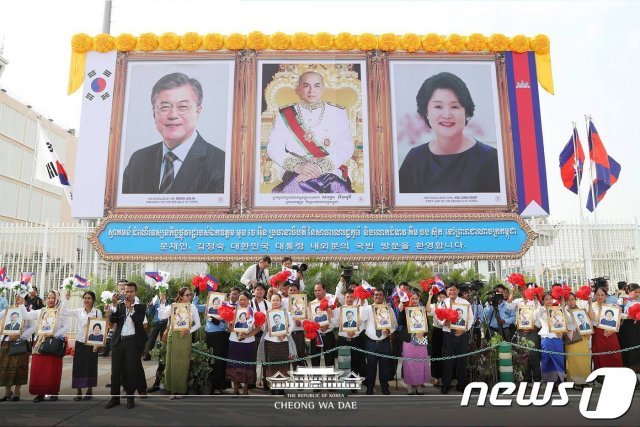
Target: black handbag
[(53, 346), (18, 346)]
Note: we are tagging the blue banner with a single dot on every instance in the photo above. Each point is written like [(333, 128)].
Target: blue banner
[(313, 238)]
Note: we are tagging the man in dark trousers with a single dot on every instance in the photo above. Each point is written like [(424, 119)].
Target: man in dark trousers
[(127, 344)]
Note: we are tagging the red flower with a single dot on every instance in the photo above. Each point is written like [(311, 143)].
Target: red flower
[(452, 315), (530, 293), (444, 314), (583, 293), (310, 329), (634, 312), (559, 292), (324, 304), (426, 284), (517, 279), (259, 318), (279, 279), (227, 313)]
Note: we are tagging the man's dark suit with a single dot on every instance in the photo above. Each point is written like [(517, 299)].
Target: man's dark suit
[(278, 328), (349, 324), (126, 352), (201, 172), (12, 327)]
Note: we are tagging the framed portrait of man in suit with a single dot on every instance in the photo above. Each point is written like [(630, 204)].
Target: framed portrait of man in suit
[(609, 318), (47, 322), (180, 316), (12, 322), (174, 147), (349, 318), (416, 320), (96, 333), (298, 306), (463, 317), (581, 317), (278, 322)]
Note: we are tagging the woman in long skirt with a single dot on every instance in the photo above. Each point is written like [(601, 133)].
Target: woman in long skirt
[(415, 373), (437, 339), (578, 367), (85, 357), (551, 365), (179, 343), (46, 369), (242, 349), (604, 340), (14, 369), (629, 335), (276, 345)]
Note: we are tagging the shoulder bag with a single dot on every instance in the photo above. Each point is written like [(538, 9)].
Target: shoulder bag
[(53, 346), (18, 346)]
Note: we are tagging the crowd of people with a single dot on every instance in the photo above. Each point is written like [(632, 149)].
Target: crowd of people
[(564, 332)]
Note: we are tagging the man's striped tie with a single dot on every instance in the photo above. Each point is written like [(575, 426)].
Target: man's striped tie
[(167, 176)]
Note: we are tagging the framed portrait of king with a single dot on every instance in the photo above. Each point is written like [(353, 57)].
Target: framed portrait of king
[(449, 140), (175, 141), (312, 138), (47, 322)]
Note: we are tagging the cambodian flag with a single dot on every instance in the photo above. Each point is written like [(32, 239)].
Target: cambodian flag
[(25, 277), (607, 169), (402, 295), (367, 287), (571, 163), (81, 282), (62, 174), (212, 283), (154, 275)]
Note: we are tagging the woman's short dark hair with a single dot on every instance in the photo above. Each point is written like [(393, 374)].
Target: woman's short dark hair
[(91, 294), (608, 312), (444, 81), (98, 325), (246, 294)]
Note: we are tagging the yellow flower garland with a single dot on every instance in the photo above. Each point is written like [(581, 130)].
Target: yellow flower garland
[(279, 41), (190, 41), (345, 41), (388, 42), (104, 43), (433, 42), (213, 41), (498, 43), (540, 44), (455, 43), (169, 41), (81, 43), (301, 41), (235, 41), (257, 40), (367, 41), (519, 44), (476, 42), (147, 42), (125, 42), (410, 42), (322, 41)]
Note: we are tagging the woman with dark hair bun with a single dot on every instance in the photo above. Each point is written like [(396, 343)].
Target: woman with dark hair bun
[(604, 340), (451, 162), (85, 357)]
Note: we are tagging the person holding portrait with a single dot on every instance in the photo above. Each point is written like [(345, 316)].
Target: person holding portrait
[(183, 162), (297, 331), (629, 335), (242, 348), (311, 142), (578, 365), (378, 342), (451, 162), (415, 373), (531, 370), (276, 348), (604, 340), (14, 368), (85, 357), (352, 338)]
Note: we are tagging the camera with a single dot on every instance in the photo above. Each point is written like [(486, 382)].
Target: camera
[(122, 297), (599, 282), (300, 267), (347, 271), (476, 285), (495, 300)]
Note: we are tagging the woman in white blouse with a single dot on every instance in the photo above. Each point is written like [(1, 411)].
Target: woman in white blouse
[(85, 357), (179, 346), (276, 339), (552, 365), (46, 369)]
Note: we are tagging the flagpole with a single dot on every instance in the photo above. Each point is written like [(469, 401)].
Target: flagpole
[(588, 261), (594, 196), (576, 168)]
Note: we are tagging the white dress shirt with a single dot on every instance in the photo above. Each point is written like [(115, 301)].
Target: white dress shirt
[(82, 318), (370, 326), (250, 274)]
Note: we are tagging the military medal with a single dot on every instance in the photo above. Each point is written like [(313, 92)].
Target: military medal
[(327, 142), (308, 135)]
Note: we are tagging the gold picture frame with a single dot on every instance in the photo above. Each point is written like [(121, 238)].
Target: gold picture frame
[(47, 322), (349, 324), (319, 316), (214, 298), (556, 320), (463, 317), (416, 320), (583, 321), (278, 322), (6, 322), (241, 320), (381, 316), (609, 318), (524, 317), (298, 306), (180, 316), (93, 337)]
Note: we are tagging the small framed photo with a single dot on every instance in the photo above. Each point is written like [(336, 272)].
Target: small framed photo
[(278, 322), (582, 320), (214, 301), (381, 316), (12, 322), (180, 317), (524, 317), (349, 318), (298, 306), (609, 318), (416, 320), (96, 333), (241, 321), (318, 315), (463, 317), (47, 322), (557, 320)]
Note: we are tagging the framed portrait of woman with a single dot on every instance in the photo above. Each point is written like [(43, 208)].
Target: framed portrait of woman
[(381, 316), (349, 318), (96, 333), (278, 322), (180, 316), (214, 301), (242, 320), (298, 306), (47, 322), (318, 315), (416, 320), (609, 318), (12, 322), (582, 320), (556, 320), (463, 317), (448, 136), (524, 317)]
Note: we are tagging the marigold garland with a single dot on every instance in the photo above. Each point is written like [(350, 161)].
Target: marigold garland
[(410, 42), (540, 44), (432, 42), (476, 42), (367, 41), (169, 41), (498, 43), (190, 41), (455, 43), (388, 42), (104, 42), (519, 44), (81, 43), (301, 41), (279, 41), (126, 42), (235, 41), (345, 41), (257, 40), (323, 41), (213, 41), (147, 42)]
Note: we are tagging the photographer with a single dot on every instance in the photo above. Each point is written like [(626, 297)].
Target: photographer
[(499, 315), (287, 263), (257, 273)]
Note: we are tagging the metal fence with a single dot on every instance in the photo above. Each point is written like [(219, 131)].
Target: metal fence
[(564, 251)]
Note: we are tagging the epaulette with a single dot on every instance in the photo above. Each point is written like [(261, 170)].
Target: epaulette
[(335, 105)]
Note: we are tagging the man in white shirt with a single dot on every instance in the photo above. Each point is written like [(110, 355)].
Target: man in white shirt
[(328, 338), (455, 342), (378, 341), (352, 338), (257, 273)]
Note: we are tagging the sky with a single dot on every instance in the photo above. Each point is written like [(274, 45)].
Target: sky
[(595, 52)]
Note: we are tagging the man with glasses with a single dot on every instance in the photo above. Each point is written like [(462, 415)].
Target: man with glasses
[(183, 162)]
